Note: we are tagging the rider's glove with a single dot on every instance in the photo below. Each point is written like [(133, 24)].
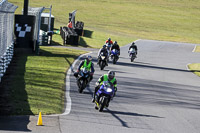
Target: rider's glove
[(115, 89), (97, 83)]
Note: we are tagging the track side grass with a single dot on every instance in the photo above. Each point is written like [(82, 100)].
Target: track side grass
[(37, 83), (197, 49), (195, 67), (127, 20)]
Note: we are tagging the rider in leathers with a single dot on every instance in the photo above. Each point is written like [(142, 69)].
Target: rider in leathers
[(106, 77), (87, 63), (115, 46), (105, 53), (134, 47)]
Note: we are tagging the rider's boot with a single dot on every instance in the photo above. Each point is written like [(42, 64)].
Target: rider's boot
[(96, 107), (107, 63), (107, 104), (93, 99)]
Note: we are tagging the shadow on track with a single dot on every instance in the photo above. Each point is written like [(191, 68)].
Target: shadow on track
[(150, 66), (124, 124)]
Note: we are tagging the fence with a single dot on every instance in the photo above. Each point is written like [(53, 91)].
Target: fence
[(6, 34), (37, 13)]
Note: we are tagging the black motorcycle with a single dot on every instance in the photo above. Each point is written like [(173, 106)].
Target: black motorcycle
[(102, 61), (83, 79)]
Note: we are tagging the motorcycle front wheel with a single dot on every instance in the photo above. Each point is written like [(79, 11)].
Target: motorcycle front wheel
[(102, 65), (81, 85), (102, 103), (114, 60), (132, 58)]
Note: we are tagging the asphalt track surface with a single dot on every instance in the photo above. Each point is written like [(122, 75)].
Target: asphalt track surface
[(156, 94)]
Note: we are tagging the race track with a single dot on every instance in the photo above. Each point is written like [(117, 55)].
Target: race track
[(156, 94)]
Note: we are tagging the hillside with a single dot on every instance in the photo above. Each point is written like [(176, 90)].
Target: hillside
[(127, 20)]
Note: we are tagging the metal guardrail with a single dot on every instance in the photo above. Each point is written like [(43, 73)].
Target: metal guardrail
[(6, 35)]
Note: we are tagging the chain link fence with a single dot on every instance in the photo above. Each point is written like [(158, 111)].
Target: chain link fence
[(36, 11), (6, 34)]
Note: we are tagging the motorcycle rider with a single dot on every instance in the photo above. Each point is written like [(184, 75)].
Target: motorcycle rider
[(115, 46), (134, 47), (87, 63), (105, 53), (109, 43), (106, 77)]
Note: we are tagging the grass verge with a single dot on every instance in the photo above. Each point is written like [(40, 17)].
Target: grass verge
[(195, 67), (95, 39), (197, 49), (169, 20), (36, 83)]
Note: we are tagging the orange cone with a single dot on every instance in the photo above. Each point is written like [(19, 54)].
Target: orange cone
[(39, 123)]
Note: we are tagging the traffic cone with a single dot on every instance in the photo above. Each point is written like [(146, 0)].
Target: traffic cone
[(39, 123)]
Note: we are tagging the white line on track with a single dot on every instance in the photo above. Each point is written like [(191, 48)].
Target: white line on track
[(137, 40), (194, 48), (188, 67), (131, 43), (67, 93)]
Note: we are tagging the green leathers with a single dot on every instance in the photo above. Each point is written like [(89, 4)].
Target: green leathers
[(105, 78), (87, 66)]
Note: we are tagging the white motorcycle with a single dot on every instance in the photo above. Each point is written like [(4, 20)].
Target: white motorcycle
[(132, 54)]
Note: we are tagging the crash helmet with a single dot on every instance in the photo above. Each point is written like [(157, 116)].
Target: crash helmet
[(111, 75), (115, 43), (104, 46), (89, 57), (133, 43), (109, 39)]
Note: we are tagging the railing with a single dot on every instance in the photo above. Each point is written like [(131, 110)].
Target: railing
[(6, 35)]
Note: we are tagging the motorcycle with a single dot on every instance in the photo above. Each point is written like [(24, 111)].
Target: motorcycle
[(83, 79), (132, 54), (104, 95), (102, 61), (114, 56)]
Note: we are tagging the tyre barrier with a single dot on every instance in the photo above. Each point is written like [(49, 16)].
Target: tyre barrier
[(5, 60)]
